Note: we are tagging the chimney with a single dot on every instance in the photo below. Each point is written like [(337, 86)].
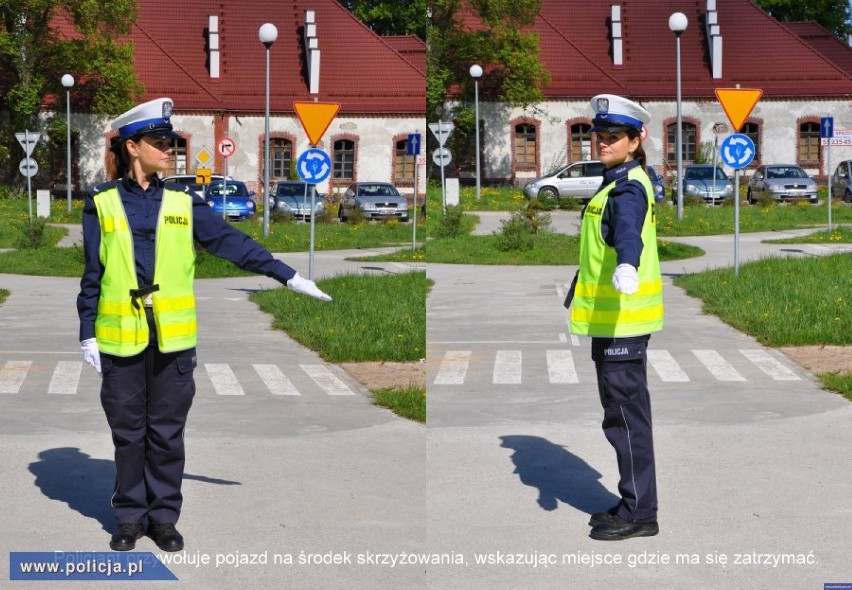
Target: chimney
[(714, 39), (312, 52), (213, 44), (617, 41)]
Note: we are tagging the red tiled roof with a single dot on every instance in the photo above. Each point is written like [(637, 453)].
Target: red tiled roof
[(758, 52), (410, 47), (358, 69), (821, 39)]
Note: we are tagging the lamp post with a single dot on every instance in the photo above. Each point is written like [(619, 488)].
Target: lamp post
[(476, 74), (68, 83), (677, 24), (267, 34)]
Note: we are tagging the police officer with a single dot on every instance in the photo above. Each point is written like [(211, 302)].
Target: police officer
[(138, 320), (618, 301)]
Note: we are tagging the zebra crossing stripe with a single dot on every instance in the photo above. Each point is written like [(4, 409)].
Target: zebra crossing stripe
[(507, 367), (721, 369), (560, 367), (223, 379), (666, 367), (275, 380), (66, 377), (12, 375), (770, 365), (453, 368), (327, 380)]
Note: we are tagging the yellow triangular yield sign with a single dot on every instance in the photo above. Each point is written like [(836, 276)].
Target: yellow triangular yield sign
[(316, 117), (738, 103)]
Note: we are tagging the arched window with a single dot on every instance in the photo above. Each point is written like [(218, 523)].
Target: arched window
[(525, 146), (809, 148), (752, 130), (581, 142), (343, 159), (689, 138), (177, 159), (281, 158)]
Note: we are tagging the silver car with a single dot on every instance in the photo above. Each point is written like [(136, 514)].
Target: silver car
[(291, 197), (374, 200), (579, 180), (700, 181), (782, 182), (841, 182)]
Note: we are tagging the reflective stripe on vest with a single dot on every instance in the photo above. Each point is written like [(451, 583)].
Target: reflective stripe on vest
[(598, 308), (121, 328)]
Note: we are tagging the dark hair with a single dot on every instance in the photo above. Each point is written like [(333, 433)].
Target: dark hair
[(118, 159), (639, 154)]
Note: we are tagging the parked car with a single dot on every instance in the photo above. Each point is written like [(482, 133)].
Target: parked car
[(579, 180), (375, 200), (841, 182), (782, 182), (657, 183), (291, 197), (190, 181), (233, 195), (700, 180)]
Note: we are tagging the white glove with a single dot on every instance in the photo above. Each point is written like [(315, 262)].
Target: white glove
[(91, 354), (625, 279), (299, 284)]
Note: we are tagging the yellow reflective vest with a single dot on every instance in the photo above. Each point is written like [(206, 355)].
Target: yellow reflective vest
[(598, 308), (121, 327)]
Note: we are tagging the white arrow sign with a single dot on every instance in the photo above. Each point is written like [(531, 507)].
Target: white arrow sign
[(28, 140), (441, 131)]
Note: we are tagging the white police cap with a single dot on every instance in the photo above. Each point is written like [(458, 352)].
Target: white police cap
[(616, 113), (148, 118)]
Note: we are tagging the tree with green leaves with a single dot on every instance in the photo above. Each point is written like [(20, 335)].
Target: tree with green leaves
[(494, 34), (40, 40), (391, 17), (834, 15)]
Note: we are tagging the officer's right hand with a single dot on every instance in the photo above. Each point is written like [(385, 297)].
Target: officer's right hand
[(91, 354)]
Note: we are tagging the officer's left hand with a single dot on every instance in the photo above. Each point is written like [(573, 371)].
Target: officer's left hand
[(300, 284), (625, 279)]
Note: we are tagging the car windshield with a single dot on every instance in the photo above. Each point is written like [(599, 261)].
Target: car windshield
[(234, 189), (704, 174), (785, 172), (290, 190), (376, 190)]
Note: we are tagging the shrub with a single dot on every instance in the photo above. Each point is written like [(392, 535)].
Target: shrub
[(451, 223), (692, 201), (766, 201), (32, 235), (515, 234)]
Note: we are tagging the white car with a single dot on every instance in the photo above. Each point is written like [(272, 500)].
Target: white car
[(579, 180)]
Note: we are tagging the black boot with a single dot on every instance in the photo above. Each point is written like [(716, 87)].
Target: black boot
[(166, 536), (125, 538)]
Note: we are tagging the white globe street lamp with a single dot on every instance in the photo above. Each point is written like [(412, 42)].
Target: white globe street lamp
[(267, 34), (476, 74), (678, 23), (68, 83)]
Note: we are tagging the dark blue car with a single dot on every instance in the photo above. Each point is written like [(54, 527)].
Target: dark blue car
[(233, 195), (656, 182)]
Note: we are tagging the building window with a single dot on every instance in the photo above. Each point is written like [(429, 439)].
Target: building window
[(809, 143), (752, 130), (403, 164), (525, 146), (281, 158), (581, 142), (689, 135), (177, 159), (343, 160)]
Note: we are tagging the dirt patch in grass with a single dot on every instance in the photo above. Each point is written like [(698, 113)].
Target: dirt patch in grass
[(381, 375), (821, 359)]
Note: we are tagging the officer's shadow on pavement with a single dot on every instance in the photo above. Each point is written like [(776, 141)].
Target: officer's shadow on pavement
[(68, 475), (559, 475)]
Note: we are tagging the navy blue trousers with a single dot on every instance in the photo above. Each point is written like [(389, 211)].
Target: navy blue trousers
[(621, 365), (146, 399)]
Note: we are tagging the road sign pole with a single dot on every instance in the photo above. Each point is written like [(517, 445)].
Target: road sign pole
[(311, 246), (29, 177), (414, 230), (443, 189), (828, 172), (737, 222)]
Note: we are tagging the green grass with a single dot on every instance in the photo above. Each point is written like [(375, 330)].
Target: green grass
[(839, 382), (492, 198), (372, 318), (782, 302), (838, 235), (408, 402), (3, 295), (12, 230)]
